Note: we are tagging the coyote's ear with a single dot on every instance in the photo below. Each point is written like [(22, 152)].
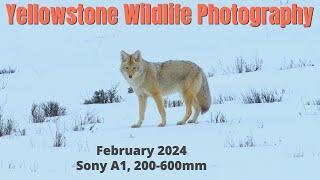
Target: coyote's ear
[(137, 56), (124, 55)]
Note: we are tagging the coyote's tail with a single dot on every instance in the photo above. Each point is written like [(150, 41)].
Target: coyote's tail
[(204, 96)]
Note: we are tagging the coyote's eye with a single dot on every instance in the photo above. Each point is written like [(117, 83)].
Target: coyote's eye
[(134, 68), (127, 68)]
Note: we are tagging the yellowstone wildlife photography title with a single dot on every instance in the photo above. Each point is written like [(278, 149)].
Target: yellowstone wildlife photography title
[(160, 14)]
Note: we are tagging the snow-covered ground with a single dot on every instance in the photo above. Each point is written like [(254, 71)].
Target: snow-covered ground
[(68, 63)]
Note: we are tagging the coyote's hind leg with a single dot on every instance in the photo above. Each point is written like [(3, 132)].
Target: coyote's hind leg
[(188, 99), (197, 110)]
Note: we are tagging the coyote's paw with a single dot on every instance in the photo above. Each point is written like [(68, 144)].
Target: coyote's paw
[(193, 121), (136, 126), (181, 123), (161, 125)]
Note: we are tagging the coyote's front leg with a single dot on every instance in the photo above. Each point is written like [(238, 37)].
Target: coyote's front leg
[(158, 99), (142, 109)]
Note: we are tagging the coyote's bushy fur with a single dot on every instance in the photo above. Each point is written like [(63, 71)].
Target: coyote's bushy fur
[(159, 79)]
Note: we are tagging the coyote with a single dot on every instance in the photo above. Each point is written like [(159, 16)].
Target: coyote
[(160, 79)]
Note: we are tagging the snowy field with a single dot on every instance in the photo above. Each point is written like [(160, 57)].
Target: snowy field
[(66, 64)]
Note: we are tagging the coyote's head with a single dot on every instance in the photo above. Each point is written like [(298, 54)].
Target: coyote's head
[(131, 65)]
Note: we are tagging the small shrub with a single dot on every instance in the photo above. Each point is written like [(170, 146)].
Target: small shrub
[(78, 126), (59, 140), (89, 118), (299, 64), (314, 102), (130, 90), (22, 132), (39, 112), (172, 103), (52, 109), (6, 126), (105, 96), (241, 66), (8, 70), (253, 96), (298, 154), (218, 118), (247, 142), (222, 99), (3, 81)]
